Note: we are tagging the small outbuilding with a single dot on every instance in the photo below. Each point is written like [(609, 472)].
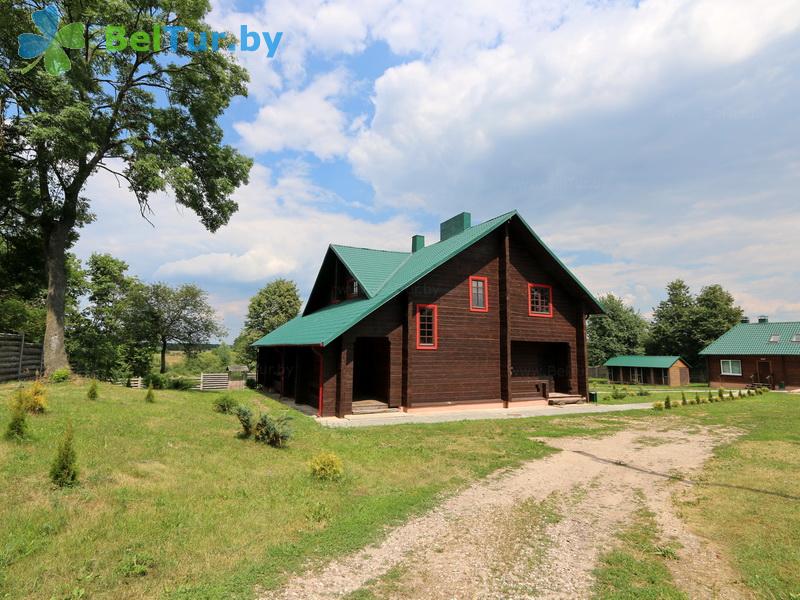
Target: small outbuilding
[(653, 370)]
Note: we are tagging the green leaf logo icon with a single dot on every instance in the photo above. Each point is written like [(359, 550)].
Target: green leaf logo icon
[(51, 43)]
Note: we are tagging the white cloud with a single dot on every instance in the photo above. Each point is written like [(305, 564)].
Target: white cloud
[(305, 120)]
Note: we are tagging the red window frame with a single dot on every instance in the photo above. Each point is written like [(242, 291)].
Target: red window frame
[(485, 281), (547, 315), (435, 344)]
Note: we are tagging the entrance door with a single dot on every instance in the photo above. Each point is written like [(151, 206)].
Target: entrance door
[(765, 372), (371, 369)]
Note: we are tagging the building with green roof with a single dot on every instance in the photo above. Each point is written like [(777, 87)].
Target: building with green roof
[(486, 315), (653, 370), (752, 354)]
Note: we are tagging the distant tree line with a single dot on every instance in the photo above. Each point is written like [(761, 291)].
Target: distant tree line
[(682, 325)]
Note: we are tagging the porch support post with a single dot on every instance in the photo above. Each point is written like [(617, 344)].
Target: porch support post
[(583, 376), (505, 325), (283, 372)]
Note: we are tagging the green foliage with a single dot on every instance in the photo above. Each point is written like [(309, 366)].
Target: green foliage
[(684, 324), (642, 392), (730, 395), (683, 398), (667, 403), (326, 466), (150, 396), (721, 393), (272, 306), (225, 404), (273, 431), (179, 383), (710, 397), (18, 425), (91, 393), (619, 394), (251, 384), (64, 470), (23, 316), (658, 405), (106, 339), (155, 380), (245, 416), (60, 375), (622, 330)]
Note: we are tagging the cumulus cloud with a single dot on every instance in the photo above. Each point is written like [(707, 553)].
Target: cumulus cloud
[(306, 120)]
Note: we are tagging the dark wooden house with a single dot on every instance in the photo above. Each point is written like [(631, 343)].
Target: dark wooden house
[(756, 354), (487, 315), (651, 370)]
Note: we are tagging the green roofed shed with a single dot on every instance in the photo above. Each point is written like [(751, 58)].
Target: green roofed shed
[(652, 370)]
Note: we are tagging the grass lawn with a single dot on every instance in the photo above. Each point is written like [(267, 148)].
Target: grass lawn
[(171, 504)]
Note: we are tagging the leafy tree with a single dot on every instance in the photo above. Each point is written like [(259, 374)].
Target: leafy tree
[(181, 315), (716, 313), (622, 330), (273, 305), (684, 324), (106, 339), (64, 470), (149, 118)]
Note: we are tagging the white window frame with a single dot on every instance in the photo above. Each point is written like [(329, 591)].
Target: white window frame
[(730, 372)]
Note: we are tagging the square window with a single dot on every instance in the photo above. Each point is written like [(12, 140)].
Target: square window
[(774, 338), (731, 367), (478, 294), (540, 300), (427, 327)]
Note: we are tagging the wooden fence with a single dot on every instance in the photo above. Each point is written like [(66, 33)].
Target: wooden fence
[(204, 382), (598, 372), (18, 358)]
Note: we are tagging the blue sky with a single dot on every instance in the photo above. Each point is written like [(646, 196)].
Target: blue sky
[(644, 141)]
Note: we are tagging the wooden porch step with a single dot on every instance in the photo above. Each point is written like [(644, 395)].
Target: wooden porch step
[(364, 407)]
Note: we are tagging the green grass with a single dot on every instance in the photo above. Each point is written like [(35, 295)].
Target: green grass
[(171, 504), (637, 569)]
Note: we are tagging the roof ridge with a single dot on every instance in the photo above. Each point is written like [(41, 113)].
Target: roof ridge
[(370, 249)]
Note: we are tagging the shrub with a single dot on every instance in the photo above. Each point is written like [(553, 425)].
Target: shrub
[(275, 432), (658, 405), (710, 397), (721, 393), (60, 376), (697, 398), (642, 392), (150, 396), (693, 401), (730, 395), (92, 394), (326, 466), (251, 383), (64, 472), (179, 383), (18, 425), (157, 380), (667, 403), (245, 416), (32, 399), (618, 394), (683, 398), (225, 404)]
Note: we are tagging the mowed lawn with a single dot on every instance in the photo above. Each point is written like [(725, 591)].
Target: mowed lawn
[(171, 504)]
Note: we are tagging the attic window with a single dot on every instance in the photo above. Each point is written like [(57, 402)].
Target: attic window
[(477, 294), (796, 338), (351, 288), (775, 338), (540, 300)]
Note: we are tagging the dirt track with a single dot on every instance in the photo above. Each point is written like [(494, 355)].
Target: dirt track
[(537, 531)]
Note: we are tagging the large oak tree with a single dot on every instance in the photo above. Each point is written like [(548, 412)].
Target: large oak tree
[(150, 118)]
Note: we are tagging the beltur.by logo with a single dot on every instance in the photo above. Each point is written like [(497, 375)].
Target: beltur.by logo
[(202, 41), (52, 41)]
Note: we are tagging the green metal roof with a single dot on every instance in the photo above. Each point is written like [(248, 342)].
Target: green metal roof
[(392, 273), (644, 362), (370, 267), (754, 339)]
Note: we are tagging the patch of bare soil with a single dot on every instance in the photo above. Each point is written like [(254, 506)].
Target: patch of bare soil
[(538, 531)]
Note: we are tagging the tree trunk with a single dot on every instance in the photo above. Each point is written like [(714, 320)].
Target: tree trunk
[(163, 355), (55, 353)]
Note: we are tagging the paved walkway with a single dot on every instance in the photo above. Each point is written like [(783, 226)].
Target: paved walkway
[(399, 418)]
